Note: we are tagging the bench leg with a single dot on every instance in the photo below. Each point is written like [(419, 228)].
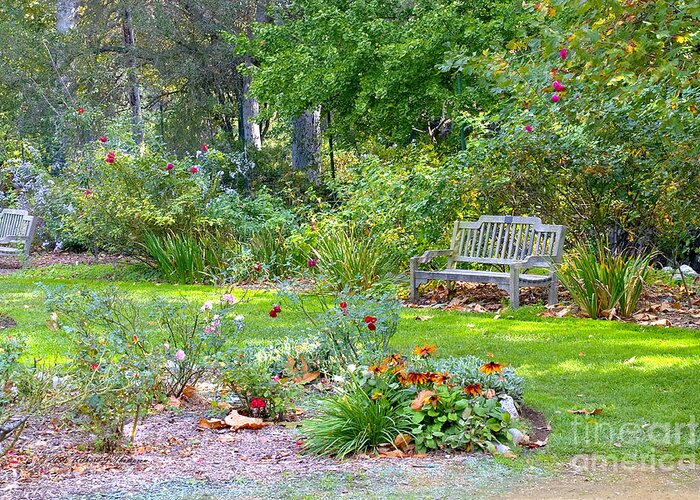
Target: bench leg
[(514, 288), (553, 291), (414, 288)]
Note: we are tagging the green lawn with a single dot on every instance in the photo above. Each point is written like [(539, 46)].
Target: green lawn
[(567, 363)]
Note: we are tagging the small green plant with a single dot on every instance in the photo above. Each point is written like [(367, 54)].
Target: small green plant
[(352, 259), (601, 281), (187, 259), (249, 373), (467, 371), (357, 420)]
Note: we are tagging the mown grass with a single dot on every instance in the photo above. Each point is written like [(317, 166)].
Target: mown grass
[(567, 363)]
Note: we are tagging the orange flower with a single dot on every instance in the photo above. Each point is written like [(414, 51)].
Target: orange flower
[(473, 390), (425, 351), (439, 378), (491, 368), (393, 360), (375, 368), (414, 378)]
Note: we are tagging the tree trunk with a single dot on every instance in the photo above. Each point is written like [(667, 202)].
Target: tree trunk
[(133, 91), (66, 15), (306, 143), (251, 128)]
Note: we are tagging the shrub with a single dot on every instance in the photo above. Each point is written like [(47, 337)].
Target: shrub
[(355, 421), (353, 259), (249, 374), (601, 281), (188, 259), (467, 371), (354, 328)]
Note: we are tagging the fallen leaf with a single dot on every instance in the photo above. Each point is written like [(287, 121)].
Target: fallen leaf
[(583, 411), (189, 392), (392, 454), (174, 402), (237, 421), (223, 405), (423, 318), (419, 400), (53, 322), (212, 423), (402, 441), (631, 360), (307, 378), (227, 438)]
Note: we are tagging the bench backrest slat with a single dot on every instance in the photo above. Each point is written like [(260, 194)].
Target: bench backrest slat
[(506, 240)]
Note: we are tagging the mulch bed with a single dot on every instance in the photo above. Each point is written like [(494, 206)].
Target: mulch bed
[(44, 259), (660, 305), (51, 459)]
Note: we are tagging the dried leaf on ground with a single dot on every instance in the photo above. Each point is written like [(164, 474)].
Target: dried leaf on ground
[(423, 318), (189, 392), (212, 423), (419, 400), (584, 411), (402, 441), (237, 421), (307, 378)]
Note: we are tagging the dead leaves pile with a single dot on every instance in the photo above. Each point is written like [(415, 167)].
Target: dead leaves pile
[(234, 421)]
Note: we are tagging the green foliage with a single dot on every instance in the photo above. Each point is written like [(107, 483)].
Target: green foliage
[(357, 332), (249, 374), (354, 421), (188, 259), (465, 371), (601, 281), (352, 259)]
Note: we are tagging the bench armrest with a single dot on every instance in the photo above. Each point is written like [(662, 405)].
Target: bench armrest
[(430, 255), (534, 261)]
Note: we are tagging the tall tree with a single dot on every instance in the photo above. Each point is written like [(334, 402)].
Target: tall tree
[(306, 143), (133, 89)]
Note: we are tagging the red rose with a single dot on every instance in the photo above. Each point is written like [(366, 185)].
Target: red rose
[(277, 309), (95, 366), (528, 128), (110, 157), (88, 192), (169, 166), (273, 313), (312, 262), (204, 148), (256, 266), (194, 170), (343, 305), (372, 326), (103, 139), (258, 403), (81, 110), (370, 319), (555, 98)]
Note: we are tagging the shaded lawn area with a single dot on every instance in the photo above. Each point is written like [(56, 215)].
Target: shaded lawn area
[(644, 378)]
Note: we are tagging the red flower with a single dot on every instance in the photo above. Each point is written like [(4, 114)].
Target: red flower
[(273, 313), (372, 326), (194, 170), (370, 319), (528, 128), (555, 98), (557, 86), (136, 338), (343, 305), (103, 139), (95, 366), (256, 266), (312, 262), (81, 110), (473, 390), (563, 53), (277, 309), (88, 192), (204, 148), (169, 166), (110, 157), (258, 403)]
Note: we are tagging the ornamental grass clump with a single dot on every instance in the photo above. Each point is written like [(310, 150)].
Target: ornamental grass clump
[(602, 282)]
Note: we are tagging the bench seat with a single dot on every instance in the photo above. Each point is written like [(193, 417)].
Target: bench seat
[(519, 243), (16, 232)]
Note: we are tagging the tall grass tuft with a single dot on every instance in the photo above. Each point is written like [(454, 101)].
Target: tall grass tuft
[(353, 422), (600, 280), (353, 259), (187, 259)]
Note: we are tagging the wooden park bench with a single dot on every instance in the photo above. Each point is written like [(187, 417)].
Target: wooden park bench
[(16, 232), (518, 242)]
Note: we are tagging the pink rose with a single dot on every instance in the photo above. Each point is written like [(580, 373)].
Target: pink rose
[(194, 170), (169, 166), (103, 139), (555, 98), (180, 355), (563, 53), (528, 128), (557, 86)]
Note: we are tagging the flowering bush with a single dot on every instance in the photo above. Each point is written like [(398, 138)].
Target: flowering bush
[(468, 371), (353, 328), (249, 374)]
